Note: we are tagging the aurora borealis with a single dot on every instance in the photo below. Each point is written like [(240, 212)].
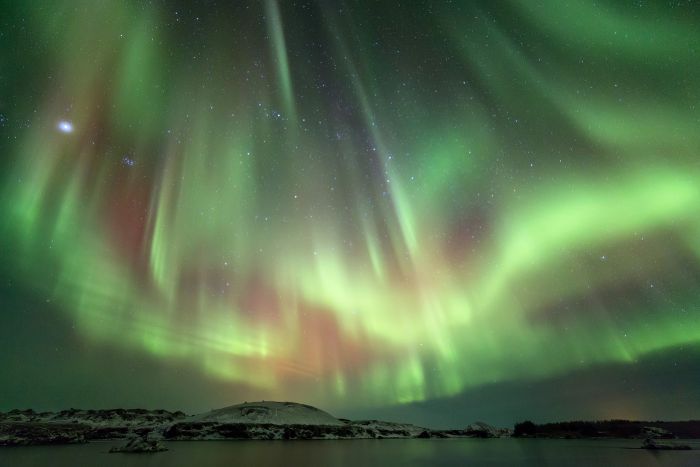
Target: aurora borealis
[(356, 204)]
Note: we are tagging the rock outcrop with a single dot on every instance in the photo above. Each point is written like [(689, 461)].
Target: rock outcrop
[(25, 427), (484, 430)]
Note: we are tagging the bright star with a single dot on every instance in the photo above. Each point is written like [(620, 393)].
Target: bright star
[(64, 126)]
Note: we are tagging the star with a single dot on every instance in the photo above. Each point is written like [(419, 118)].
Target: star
[(64, 126)]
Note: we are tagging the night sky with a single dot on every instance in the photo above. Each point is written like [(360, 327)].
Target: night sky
[(425, 211)]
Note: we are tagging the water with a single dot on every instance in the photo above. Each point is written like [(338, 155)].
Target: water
[(357, 453)]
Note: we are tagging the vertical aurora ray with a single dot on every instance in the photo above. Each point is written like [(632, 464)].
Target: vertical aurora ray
[(280, 51), (316, 203)]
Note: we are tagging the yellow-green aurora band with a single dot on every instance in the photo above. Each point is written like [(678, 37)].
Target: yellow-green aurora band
[(386, 205)]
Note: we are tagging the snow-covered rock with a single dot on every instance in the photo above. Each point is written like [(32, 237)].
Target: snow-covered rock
[(282, 420), (484, 430), (390, 429), (214, 430), (96, 418), (23, 427)]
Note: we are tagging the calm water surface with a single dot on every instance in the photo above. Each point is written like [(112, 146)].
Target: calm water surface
[(410, 452)]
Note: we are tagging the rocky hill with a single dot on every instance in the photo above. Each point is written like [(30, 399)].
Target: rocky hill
[(269, 412), (250, 420)]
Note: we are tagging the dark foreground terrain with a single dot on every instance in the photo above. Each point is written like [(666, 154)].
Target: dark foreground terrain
[(249, 421), (622, 429), (267, 420)]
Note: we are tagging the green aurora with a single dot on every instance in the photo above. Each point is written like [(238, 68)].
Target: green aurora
[(358, 201)]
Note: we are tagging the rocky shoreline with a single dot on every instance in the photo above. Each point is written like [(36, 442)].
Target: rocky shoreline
[(250, 421), (266, 420)]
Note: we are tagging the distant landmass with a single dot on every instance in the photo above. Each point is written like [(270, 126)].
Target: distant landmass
[(268, 420), (689, 429)]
